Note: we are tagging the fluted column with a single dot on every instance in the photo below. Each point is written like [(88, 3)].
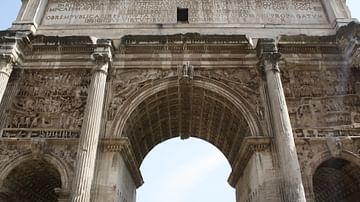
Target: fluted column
[(291, 186), (6, 67), (90, 130)]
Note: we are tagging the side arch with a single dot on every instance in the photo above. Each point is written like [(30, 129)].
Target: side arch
[(334, 178), (61, 167), (326, 155)]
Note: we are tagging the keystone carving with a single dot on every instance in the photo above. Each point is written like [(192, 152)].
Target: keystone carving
[(38, 147), (334, 145), (186, 71)]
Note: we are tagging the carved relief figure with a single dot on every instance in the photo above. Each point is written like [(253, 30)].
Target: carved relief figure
[(50, 99)]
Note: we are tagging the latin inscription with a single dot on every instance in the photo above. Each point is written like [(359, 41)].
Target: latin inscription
[(202, 11)]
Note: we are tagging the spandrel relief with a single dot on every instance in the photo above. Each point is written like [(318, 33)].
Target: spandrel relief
[(127, 82)]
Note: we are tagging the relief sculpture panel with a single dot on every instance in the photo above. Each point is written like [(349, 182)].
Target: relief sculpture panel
[(127, 82), (326, 105), (50, 100)]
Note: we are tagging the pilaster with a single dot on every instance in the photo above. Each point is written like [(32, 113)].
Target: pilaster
[(290, 182), (90, 130), (6, 66), (11, 54)]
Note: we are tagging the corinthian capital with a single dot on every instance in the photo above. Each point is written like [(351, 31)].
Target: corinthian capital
[(7, 62), (269, 61), (102, 55), (268, 55)]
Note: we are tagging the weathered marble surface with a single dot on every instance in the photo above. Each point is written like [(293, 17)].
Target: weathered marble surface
[(164, 11)]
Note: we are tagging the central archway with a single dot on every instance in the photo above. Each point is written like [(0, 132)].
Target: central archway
[(197, 108), (185, 170), (201, 107)]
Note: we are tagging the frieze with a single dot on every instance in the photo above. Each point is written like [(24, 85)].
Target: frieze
[(50, 99), (325, 112), (325, 132), (305, 83)]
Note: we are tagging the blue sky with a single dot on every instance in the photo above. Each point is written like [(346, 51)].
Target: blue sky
[(176, 170)]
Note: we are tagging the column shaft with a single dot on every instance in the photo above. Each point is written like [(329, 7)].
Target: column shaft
[(291, 184), (89, 138), (6, 67)]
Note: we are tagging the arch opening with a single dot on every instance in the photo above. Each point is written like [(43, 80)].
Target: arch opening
[(32, 180), (190, 170), (337, 180), (187, 110)]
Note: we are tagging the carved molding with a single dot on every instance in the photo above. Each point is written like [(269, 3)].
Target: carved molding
[(12, 47), (249, 146), (39, 133)]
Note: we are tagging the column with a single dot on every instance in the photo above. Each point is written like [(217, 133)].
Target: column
[(90, 130), (291, 186), (6, 67)]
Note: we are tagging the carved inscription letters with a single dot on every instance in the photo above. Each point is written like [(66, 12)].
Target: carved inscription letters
[(164, 11)]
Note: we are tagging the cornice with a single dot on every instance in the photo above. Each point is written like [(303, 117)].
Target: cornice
[(249, 146), (123, 146)]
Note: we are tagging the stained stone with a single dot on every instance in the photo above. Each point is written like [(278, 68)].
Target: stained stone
[(88, 88)]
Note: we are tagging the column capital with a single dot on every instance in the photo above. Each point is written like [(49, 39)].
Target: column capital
[(103, 54), (269, 61), (268, 55), (7, 62)]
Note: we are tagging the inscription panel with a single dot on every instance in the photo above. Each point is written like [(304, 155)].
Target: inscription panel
[(203, 11)]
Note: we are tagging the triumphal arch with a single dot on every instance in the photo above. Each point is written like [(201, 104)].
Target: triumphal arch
[(89, 87)]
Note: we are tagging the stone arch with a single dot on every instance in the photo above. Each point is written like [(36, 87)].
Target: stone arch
[(153, 87), (215, 91), (49, 165), (335, 178)]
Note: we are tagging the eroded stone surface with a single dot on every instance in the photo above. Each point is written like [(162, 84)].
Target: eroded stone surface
[(225, 88)]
